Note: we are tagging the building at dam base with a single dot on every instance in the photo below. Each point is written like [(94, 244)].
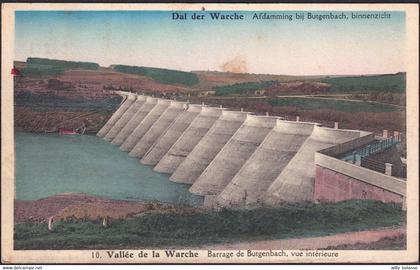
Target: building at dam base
[(240, 160)]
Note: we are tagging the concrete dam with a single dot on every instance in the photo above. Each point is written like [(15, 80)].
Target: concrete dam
[(237, 159)]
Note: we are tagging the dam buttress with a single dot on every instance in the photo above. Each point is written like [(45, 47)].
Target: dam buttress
[(240, 160)]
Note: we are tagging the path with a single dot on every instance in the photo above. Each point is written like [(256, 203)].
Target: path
[(313, 242)]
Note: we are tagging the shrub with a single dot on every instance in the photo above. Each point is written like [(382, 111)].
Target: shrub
[(48, 67), (395, 83), (241, 88), (61, 63)]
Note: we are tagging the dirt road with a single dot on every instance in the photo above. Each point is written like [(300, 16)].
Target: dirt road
[(313, 242)]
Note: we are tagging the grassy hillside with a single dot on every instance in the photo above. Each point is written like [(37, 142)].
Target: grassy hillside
[(46, 102), (338, 105), (62, 63), (394, 83), (169, 229), (210, 79), (241, 88), (166, 76), (50, 67)]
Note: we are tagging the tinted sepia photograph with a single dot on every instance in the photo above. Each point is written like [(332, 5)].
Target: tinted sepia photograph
[(209, 133)]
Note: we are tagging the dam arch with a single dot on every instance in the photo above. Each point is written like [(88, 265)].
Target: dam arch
[(208, 147), (116, 115), (249, 185), (233, 155), (145, 124), (296, 181), (126, 131), (162, 123), (188, 140), (171, 135), (128, 114)]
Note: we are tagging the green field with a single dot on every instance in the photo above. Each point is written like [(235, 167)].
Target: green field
[(339, 105), (241, 88), (47, 102), (49, 67), (161, 75), (42, 70), (393, 83), (170, 229)]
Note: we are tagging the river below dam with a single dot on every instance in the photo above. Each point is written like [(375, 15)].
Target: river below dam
[(49, 164)]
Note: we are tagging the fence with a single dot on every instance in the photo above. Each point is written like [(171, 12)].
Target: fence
[(372, 148)]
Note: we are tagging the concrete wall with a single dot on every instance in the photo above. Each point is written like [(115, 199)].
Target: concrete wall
[(135, 121), (144, 126), (370, 177), (233, 155), (129, 113), (161, 124), (189, 139), (117, 114), (205, 151), (346, 147), (249, 186), (171, 135), (296, 182), (332, 186)]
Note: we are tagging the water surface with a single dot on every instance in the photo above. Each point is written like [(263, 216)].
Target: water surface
[(47, 165)]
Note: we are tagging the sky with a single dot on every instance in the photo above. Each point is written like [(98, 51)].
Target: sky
[(153, 38)]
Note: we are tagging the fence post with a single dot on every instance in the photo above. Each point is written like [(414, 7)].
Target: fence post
[(385, 133), (404, 203), (358, 160), (388, 169), (297, 118), (396, 135), (335, 125)]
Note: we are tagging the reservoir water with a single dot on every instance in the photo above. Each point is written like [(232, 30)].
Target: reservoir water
[(50, 164)]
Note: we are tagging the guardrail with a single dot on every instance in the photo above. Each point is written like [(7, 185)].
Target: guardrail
[(372, 148)]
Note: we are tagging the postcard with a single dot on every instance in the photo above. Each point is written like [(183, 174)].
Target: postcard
[(209, 133)]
